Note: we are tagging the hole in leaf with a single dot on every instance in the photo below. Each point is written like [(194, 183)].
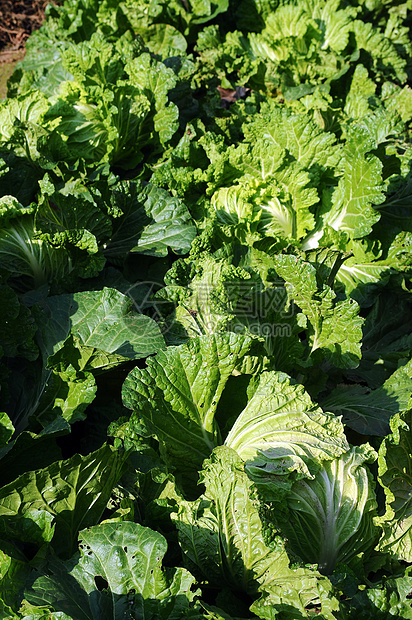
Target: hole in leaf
[(125, 549), (101, 583)]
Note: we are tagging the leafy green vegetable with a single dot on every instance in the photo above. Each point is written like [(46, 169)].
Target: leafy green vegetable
[(176, 396), (119, 571), (222, 537), (368, 411), (281, 431), (73, 493), (394, 476), (151, 222), (330, 518), (205, 278), (334, 325)]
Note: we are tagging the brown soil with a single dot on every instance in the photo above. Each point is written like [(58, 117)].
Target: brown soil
[(18, 19)]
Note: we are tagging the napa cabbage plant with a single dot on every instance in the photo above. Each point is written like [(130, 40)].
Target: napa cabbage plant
[(23, 253), (330, 518)]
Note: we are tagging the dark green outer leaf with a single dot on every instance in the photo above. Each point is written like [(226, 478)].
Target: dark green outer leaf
[(152, 222), (369, 411), (126, 559), (175, 397), (75, 492), (101, 319), (395, 475)]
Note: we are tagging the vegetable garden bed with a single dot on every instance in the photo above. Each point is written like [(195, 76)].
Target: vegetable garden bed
[(206, 319)]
